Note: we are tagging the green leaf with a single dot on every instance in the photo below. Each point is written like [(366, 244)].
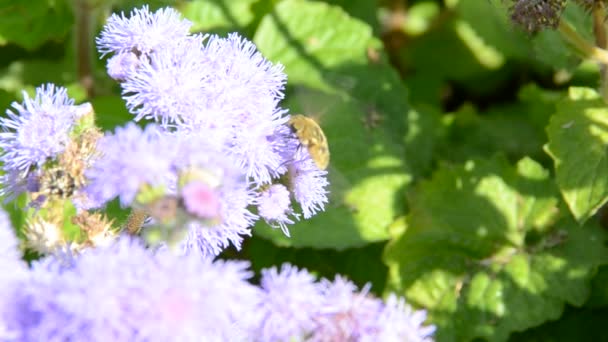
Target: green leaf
[(325, 54), (506, 128), (364, 10), (110, 112), (482, 253), (218, 15), (599, 289), (31, 23), (578, 134)]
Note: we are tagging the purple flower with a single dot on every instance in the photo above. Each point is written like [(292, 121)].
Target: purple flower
[(211, 240), (290, 301), (399, 322), (124, 292), (167, 86), (245, 90), (274, 206), (37, 129), (308, 183), (9, 251), (201, 160), (346, 314), (201, 200), (131, 159), (122, 65), (13, 271), (143, 32)]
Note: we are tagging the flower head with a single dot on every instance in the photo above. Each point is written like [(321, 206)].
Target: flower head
[(132, 158), (125, 292), (37, 129), (142, 32), (290, 301), (534, 16), (399, 322), (167, 85), (308, 184), (274, 206)]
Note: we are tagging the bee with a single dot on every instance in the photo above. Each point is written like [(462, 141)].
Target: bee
[(312, 137)]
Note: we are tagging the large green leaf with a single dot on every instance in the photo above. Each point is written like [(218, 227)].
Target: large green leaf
[(578, 136), (482, 253), (31, 23), (325, 53), (218, 15)]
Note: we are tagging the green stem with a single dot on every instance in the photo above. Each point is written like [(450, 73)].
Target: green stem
[(587, 49), (83, 30), (599, 31)]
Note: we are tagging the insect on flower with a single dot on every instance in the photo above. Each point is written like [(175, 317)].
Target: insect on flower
[(312, 137)]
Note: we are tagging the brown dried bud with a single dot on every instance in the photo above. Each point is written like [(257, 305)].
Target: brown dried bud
[(536, 15)]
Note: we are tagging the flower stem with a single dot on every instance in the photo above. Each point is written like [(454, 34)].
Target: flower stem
[(599, 30), (587, 49), (83, 30)]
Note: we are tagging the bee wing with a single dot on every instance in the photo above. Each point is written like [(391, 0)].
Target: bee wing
[(338, 190)]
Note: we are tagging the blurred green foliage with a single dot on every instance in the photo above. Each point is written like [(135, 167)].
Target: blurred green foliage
[(469, 162)]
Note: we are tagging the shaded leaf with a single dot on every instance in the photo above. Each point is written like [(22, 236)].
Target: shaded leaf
[(482, 253), (325, 53), (578, 135), (31, 23)]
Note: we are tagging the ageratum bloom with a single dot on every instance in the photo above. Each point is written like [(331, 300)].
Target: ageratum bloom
[(13, 271), (274, 206), (348, 314), (35, 131), (199, 161), (290, 301), (308, 183), (128, 293), (167, 85), (244, 90), (225, 92), (131, 158), (142, 32)]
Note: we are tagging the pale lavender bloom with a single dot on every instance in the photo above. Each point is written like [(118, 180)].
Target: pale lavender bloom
[(199, 159), (142, 32), (346, 314), (244, 89), (399, 322), (291, 299), (13, 271), (168, 85), (274, 206), (38, 129), (235, 224), (9, 244), (308, 183), (201, 200), (131, 158), (122, 65), (126, 293)]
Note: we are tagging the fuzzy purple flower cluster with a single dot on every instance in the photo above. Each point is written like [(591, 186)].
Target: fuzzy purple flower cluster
[(219, 151), (215, 104), (126, 292)]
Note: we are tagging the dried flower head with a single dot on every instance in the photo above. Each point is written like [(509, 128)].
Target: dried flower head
[(536, 15)]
